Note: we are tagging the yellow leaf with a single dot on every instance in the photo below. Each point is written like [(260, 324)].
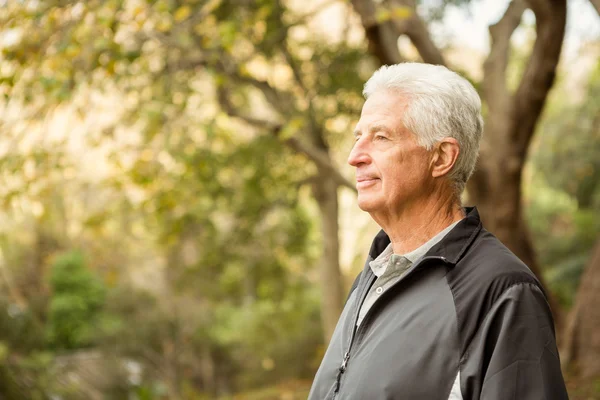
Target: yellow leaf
[(182, 13), (220, 80), (210, 6), (112, 278), (243, 70), (402, 12), (137, 11), (72, 51), (110, 68), (291, 128), (164, 25), (382, 15), (146, 155)]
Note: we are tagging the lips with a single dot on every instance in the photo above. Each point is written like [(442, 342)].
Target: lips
[(365, 178), (365, 181)]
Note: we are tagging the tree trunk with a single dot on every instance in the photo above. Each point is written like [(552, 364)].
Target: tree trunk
[(381, 36), (510, 124), (496, 190), (207, 371), (499, 202), (582, 333), (325, 193)]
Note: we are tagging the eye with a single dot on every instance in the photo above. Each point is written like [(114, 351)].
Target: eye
[(381, 137)]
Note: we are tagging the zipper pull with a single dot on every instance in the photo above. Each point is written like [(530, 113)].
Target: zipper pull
[(344, 362), (341, 371)]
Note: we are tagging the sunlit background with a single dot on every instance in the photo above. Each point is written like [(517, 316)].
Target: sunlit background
[(177, 217)]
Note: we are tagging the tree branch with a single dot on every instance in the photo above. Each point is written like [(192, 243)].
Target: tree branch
[(321, 159), (412, 26), (316, 155), (494, 84), (274, 97), (316, 136), (381, 36), (538, 78), (496, 95)]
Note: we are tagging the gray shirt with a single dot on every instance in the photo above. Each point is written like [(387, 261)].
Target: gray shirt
[(389, 269)]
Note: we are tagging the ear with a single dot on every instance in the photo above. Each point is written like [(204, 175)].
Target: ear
[(444, 157)]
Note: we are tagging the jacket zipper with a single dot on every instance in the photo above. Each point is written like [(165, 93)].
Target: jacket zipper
[(361, 296), (344, 364)]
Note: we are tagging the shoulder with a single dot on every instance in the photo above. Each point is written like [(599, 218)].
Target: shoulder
[(488, 266), (485, 273)]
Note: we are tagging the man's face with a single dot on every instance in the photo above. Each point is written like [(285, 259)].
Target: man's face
[(392, 170)]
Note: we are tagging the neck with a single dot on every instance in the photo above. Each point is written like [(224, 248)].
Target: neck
[(415, 224)]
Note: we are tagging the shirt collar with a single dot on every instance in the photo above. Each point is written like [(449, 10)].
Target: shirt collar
[(452, 247), (419, 252), (378, 265)]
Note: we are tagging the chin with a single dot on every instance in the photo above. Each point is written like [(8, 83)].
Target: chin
[(367, 204)]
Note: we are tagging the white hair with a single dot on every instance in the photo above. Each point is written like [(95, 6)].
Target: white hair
[(440, 103)]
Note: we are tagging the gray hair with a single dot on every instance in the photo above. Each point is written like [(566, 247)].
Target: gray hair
[(440, 103)]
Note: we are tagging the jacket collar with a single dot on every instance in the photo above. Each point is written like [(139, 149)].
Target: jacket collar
[(452, 247)]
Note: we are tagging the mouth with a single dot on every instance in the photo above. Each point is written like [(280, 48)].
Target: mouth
[(364, 182)]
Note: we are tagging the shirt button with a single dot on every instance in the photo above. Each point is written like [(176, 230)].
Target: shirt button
[(379, 290)]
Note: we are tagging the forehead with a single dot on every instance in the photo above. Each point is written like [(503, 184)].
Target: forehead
[(384, 107)]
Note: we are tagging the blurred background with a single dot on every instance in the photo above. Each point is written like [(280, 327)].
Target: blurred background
[(177, 219)]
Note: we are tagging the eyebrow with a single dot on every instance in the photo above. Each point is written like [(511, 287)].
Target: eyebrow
[(374, 128)]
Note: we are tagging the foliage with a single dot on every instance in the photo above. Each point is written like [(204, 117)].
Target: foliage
[(77, 298), (24, 358), (564, 203), (572, 140)]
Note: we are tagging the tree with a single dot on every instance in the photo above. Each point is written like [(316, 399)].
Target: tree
[(77, 298), (562, 203), (582, 341), (568, 237), (511, 116), (157, 54), (217, 199)]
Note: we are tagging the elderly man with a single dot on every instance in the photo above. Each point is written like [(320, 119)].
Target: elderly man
[(442, 309)]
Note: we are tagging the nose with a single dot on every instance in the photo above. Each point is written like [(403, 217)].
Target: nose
[(359, 153)]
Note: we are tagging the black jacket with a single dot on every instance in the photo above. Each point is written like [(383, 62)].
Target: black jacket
[(467, 321)]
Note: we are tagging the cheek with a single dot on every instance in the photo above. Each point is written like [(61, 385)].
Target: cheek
[(401, 167), (412, 170)]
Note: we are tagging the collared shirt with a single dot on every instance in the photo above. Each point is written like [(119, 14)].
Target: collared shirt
[(389, 268)]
